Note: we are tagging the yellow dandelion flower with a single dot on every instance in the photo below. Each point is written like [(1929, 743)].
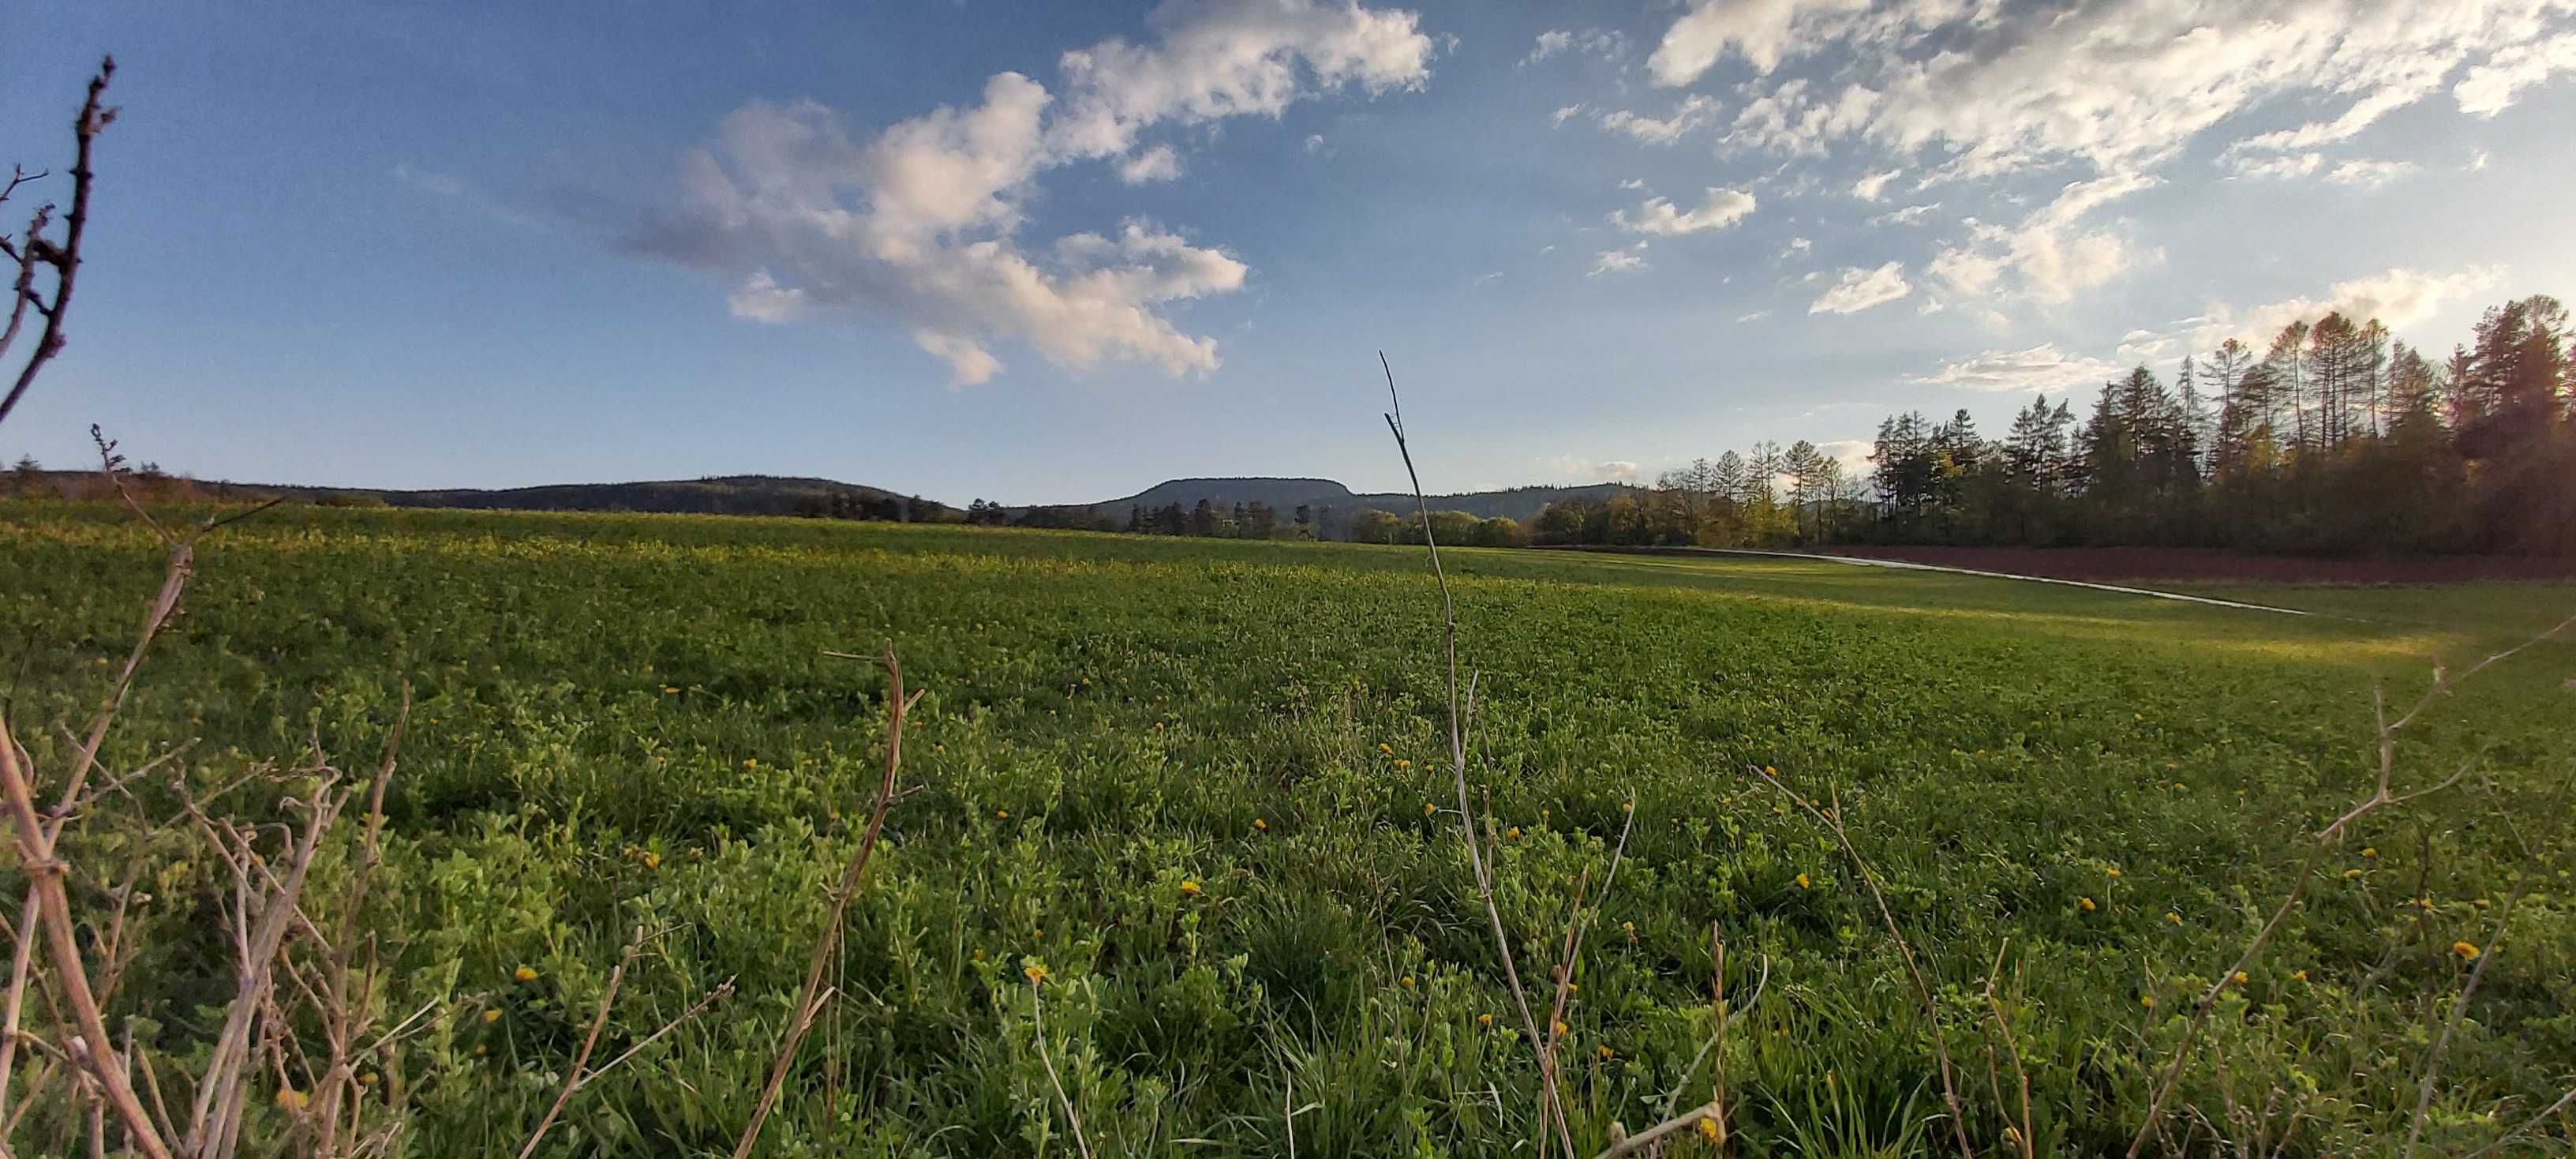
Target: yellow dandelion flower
[(1002, 814), (1514, 832), (1403, 764), (2350, 874), (667, 690), (1191, 888), (2298, 975), (491, 1016), (1406, 980), (1428, 808), (978, 955), (525, 973), (1261, 825), (2173, 917), (651, 860), (1607, 1053), (1484, 1020), (2115, 871), (1768, 771), (2468, 951), (2370, 851), (1035, 974), (2085, 903), (1562, 1029), (1387, 749), (290, 1100), (2147, 1000), (1709, 1130), (1628, 807), (2241, 979), (1802, 881)]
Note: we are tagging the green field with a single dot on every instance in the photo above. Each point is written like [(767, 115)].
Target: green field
[(623, 720)]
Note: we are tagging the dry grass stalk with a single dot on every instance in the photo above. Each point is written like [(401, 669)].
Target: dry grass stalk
[(579, 1077), (1551, 1101), (813, 997), (2021, 1132), (2459, 1009), (2382, 796), (1832, 820), (1037, 1015)]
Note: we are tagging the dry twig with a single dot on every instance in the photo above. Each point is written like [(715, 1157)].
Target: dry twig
[(2382, 796)]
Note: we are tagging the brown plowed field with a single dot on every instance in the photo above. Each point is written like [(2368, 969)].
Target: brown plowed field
[(2204, 565)]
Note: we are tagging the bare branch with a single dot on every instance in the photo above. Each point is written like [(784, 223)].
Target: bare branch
[(63, 256)]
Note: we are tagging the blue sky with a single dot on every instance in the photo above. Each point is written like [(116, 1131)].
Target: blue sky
[(1055, 252)]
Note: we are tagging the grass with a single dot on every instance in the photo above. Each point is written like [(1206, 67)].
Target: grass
[(625, 720)]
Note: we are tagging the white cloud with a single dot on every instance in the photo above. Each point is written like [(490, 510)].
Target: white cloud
[(1787, 120), (2284, 165), (1605, 43), (1626, 261), (1797, 245), (1910, 215), (2041, 367), (2398, 297), (1861, 289), (761, 299), (1759, 30), (1563, 114), (1159, 163), (1723, 208), (1228, 58), (1581, 469), (2477, 161), (2367, 171), (1694, 111), (1314, 142), (1633, 183), (2049, 257), (1853, 454), (918, 222), (2489, 88), (1550, 42), (2122, 84), (1755, 316), (1873, 186)]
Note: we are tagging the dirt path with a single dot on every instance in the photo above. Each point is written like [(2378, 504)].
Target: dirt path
[(1910, 565)]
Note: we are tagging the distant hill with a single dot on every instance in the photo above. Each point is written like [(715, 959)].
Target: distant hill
[(719, 495), (1334, 505), (722, 495), (1331, 504)]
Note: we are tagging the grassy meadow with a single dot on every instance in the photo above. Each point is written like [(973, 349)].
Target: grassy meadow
[(1203, 785)]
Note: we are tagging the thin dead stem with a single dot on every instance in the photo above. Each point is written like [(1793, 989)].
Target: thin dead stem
[(1037, 1015), (1832, 820), (811, 1003), (1551, 1102)]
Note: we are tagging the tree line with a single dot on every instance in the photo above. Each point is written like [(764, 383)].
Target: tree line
[(1766, 496), (2332, 438)]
